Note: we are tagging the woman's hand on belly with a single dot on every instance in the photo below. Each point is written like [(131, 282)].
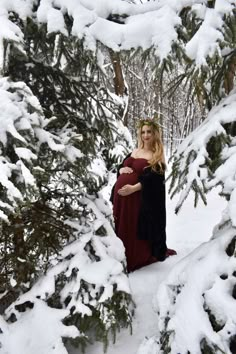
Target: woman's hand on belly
[(129, 189), (126, 170)]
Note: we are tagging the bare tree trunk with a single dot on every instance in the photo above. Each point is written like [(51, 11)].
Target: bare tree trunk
[(21, 275), (119, 82), (230, 75), (118, 74)]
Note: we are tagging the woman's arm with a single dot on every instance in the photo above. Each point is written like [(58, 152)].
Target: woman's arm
[(117, 175), (129, 189), (121, 165)]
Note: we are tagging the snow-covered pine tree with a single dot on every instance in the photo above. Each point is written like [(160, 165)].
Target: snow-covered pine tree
[(200, 290), (195, 31), (58, 121), (196, 304)]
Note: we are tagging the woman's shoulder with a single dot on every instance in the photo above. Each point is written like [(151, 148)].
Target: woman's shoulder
[(134, 152), (141, 154)]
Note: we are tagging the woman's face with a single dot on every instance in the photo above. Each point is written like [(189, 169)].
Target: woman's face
[(147, 134)]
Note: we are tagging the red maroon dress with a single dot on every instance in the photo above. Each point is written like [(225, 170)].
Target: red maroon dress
[(126, 212)]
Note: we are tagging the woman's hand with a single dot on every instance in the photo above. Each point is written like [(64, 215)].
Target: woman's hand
[(126, 170), (126, 190), (129, 189)]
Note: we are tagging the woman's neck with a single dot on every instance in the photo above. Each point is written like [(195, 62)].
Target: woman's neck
[(146, 147)]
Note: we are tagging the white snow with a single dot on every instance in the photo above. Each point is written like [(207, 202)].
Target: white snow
[(185, 231), (205, 41), (25, 132), (43, 328), (145, 24), (152, 23), (195, 144)]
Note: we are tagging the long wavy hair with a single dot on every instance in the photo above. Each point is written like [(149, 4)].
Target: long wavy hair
[(157, 162)]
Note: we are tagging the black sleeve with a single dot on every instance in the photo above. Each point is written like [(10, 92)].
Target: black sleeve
[(152, 217), (153, 187)]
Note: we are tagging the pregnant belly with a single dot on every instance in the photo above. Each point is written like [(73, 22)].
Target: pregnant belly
[(126, 178)]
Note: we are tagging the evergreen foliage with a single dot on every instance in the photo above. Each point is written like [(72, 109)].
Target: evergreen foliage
[(55, 143), (204, 160), (62, 125), (84, 280)]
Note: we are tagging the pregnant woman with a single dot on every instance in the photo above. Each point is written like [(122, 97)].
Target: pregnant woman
[(139, 200)]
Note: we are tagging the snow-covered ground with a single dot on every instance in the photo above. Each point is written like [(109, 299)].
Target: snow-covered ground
[(185, 232)]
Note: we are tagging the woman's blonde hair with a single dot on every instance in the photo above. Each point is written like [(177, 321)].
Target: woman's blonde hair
[(157, 162)]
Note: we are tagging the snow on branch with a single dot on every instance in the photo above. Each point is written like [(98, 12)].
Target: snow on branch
[(196, 304), (209, 29), (84, 281), (22, 132), (122, 26), (40, 331), (9, 30), (199, 165)]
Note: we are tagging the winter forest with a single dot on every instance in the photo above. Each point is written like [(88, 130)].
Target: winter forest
[(75, 77)]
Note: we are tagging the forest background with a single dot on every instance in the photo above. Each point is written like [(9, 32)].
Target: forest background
[(75, 78)]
